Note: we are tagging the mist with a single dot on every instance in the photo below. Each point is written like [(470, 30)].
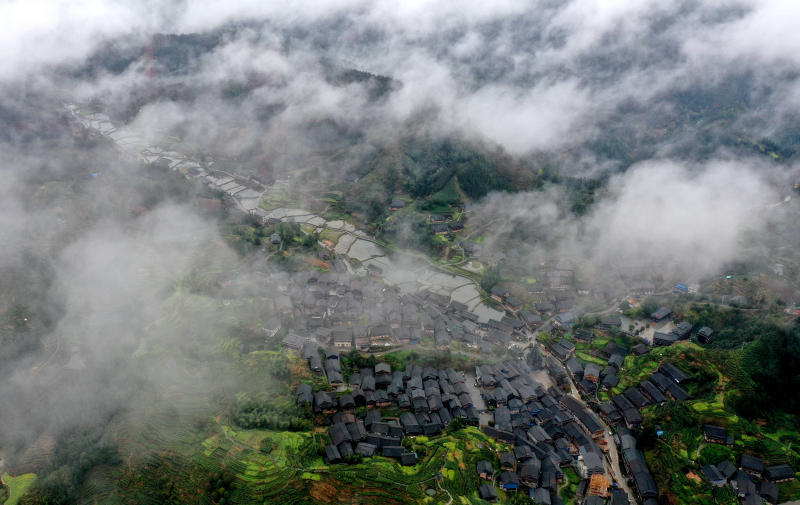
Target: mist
[(661, 219), (103, 260)]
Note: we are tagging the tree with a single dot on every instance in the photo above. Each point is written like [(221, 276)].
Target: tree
[(490, 278), (287, 232), (308, 241), (649, 306), (772, 362), (713, 453)]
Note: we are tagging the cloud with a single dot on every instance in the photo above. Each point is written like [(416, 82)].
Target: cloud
[(678, 220), (529, 76), (692, 222)]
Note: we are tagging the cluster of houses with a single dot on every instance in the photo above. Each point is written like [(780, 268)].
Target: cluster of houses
[(624, 410), (362, 313), (590, 377), (548, 430), (658, 387), (516, 471), (634, 465), (554, 302), (427, 398), (439, 223), (752, 481), (442, 226), (681, 331)]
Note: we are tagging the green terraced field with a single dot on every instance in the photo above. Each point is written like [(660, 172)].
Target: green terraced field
[(292, 471), (17, 486)]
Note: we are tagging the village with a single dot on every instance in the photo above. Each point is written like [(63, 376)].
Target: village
[(552, 408)]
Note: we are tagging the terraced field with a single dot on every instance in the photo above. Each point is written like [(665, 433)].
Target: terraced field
[(286, 467), (17, 486)]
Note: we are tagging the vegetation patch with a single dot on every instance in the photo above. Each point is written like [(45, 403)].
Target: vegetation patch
[(17, 486)]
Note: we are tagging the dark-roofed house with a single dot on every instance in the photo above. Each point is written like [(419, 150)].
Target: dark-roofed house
[(575, 368), (365, 449), (342, 338), (541, 496), (633, 418), (664, 339), (683, 330), (678, 393), (673, 372), (560, 352), (584, 335), (768, 491), (610, 413), (661, 314), (645, 485), (752, 465), (743, 484), (346, 402), (545, 307), (613, 348), (507, 461), (622, 402), (565, 319), (410, 424), (339, 433), (529, 474), (661, 381), (357, 431), (392, 451), (779, 473), (499, 293), (485, 469), (610, 321), (716, 435), (591, 464), (304, 395), (592, 372), (705, 335), (726, 468), (619, 497), (616, 360), (636, 398), (368, 383), (651, 392), (640, 349), (523, 453), (332, 454), (513, 303), (323, 402), (509, 481), (408, 459), (531, 319), (294, 341), (610, 381), (488, 493), (431, 429), (714, 476), (334, 376)]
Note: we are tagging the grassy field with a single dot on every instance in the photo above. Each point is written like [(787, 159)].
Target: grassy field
[(444, 201), (332, 235), (637, 368), (717, 377), (287, 466), (17, 486)]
